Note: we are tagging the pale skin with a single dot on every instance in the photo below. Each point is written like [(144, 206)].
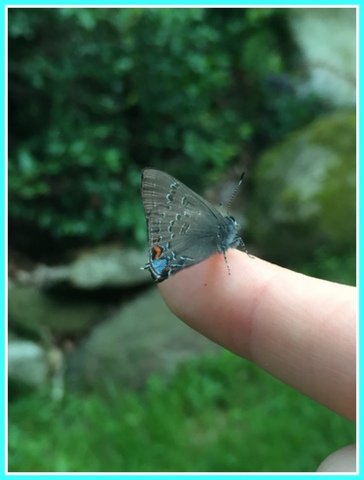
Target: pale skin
[(300, 329)]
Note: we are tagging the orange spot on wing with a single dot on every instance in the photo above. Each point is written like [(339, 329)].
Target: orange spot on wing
[(156, 252)]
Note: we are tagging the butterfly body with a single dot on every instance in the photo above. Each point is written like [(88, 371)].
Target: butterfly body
[(183, 228)]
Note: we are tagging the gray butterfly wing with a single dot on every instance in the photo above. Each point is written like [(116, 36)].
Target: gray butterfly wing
[(183, 228)]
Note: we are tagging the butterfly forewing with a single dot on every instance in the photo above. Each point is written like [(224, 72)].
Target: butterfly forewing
[(160, 190)]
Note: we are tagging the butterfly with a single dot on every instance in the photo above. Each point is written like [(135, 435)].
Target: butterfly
[(183, 228)]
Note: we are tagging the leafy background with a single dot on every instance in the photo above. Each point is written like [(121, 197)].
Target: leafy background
[(95, 95)]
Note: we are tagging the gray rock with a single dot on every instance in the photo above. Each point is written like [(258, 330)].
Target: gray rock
[(305, 193), (99, 267), (34, 309), (142, 338), (109, 266), (27, 363), (331, 64), (34, 365), (41, 276)]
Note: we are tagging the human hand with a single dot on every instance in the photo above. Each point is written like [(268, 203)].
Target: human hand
[(299, 329)]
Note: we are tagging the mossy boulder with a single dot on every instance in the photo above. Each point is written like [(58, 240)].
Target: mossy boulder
[(305, 195)]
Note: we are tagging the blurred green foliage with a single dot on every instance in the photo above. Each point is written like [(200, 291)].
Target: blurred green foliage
[(218, 414), (328, 266), (95, 95)]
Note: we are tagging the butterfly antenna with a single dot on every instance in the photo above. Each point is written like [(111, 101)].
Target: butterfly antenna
[(235, 191), (227, 264)]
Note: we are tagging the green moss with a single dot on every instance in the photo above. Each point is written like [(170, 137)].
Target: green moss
[(306, 194)]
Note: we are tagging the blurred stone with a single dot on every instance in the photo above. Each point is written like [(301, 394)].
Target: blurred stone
[(41, 276), (99, 267), (331, 66), (27, 363), (33, 309), (305, 194), (109, 266), (140, 339), (33, 365)]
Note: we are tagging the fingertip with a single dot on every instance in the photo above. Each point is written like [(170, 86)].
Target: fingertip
[(206, 295), (297, 328)]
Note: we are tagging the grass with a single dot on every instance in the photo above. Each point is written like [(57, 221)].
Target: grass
[(218, 414)]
